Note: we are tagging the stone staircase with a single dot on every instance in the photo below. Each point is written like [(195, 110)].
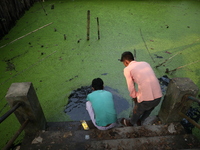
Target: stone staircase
[(150, 136)]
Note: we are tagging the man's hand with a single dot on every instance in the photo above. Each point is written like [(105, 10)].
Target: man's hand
[(135, 100)]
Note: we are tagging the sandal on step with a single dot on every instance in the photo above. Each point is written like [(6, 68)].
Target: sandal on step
[(125, 122)]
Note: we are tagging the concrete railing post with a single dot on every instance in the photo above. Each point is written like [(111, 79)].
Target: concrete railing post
[(174, 102), (24, 92)]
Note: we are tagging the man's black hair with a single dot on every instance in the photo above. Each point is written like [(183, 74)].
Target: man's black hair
[(127, 56), (97, 84)]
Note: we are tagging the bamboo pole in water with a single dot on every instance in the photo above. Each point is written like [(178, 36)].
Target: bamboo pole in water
[(98, 28), (88, 25), (174, 55), (146, 45), (168, 71), (26, 34)]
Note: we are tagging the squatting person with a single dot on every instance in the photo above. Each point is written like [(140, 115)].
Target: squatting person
[(100, 106)]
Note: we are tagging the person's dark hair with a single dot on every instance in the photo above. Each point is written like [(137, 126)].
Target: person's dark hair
[(127, 56), (97, 84)]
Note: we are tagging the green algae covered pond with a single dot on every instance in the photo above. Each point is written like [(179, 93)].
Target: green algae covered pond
[(157, 30)]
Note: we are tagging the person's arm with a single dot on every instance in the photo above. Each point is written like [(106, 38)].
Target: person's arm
[(130, 83)]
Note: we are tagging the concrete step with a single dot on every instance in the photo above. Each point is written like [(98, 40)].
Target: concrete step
[(142, 143), (147, 143), (70, 135), (76, 125)]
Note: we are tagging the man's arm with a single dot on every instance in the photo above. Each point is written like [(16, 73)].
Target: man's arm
[(130, 83)]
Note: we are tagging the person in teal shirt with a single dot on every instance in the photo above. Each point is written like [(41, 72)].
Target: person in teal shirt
[(100, 106)]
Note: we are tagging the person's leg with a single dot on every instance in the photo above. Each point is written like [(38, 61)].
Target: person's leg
[(137, 112), (146, 114), (152, 105), (91, 114), (108, 127)]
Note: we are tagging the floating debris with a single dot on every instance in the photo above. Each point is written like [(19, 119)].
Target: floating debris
[(104, 74), (72, 78), (52, 6), (28, 67), (167, 70), (158, 56), (10, 66), (168, 52), (65, 37), (79, 41)]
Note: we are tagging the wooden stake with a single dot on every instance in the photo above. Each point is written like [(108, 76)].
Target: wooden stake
[(134, 54), (65, 37), (98, 28), (88, 25), (26, 34), (173, 55), (168, 71), (146, 45)]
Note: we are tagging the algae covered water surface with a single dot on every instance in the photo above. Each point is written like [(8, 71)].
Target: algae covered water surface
[(58, 58)]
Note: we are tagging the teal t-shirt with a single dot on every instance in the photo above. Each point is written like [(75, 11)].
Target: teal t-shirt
[(103, 106)]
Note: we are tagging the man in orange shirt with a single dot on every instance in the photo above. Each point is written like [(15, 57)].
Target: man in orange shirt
[(148, 95)]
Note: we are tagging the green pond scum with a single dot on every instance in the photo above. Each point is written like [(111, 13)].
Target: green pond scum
[(58, 58)]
